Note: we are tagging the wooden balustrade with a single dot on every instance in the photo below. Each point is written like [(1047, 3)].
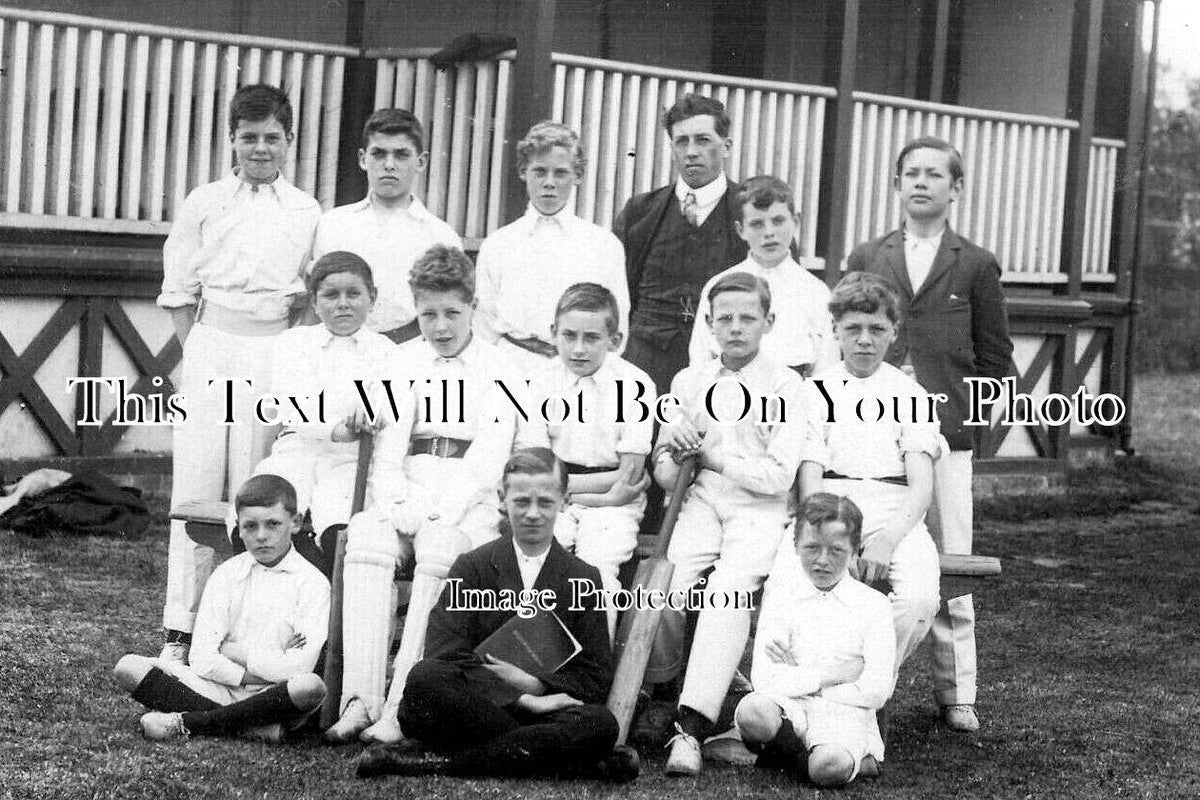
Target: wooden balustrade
[(1098, 224), (107, 125)]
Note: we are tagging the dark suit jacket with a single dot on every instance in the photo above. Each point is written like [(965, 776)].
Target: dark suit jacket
[(640, 219), (454, 635), (955, 326)]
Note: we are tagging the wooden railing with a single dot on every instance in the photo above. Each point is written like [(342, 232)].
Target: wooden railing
[(1101, 193), (463, 109), (1013, 198), (777, 129), (107, 125)]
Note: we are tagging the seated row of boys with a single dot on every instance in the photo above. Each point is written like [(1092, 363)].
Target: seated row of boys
[(435, 485)]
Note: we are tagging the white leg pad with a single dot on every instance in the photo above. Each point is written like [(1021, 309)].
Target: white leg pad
[(368, 572)]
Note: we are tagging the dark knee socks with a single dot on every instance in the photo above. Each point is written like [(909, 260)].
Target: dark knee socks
[(785, 751), (265, 708), (159, 691)]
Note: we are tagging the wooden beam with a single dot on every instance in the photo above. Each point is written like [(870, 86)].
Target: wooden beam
[(1131, 281), (941, 38), (1081, 106), (841, 60), (533, 91)]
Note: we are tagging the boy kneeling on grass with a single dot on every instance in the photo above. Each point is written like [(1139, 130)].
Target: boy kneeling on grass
[(262, 622), (824, 656)]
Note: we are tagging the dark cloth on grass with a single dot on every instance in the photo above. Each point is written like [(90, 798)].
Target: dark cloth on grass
[(86, 504)]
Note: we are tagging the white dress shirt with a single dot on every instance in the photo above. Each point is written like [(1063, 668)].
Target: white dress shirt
[(919, 253), (390, 241), (803, 329), (524, 268), (849, 622), (599, 441), (260, 608), (530, 566), (243, 247), (759, 458), (707, 196), (867, 448)]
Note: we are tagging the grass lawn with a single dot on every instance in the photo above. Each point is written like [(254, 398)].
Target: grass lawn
[(1088, 646)]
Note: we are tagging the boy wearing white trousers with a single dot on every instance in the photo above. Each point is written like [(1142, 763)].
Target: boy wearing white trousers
[(439, 497), (734, 514), (233, 269), (604, 457), (879, 451)]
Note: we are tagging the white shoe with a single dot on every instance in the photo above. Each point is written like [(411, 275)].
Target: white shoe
[(354, 720), (387, 730), (961, 718), (174, 651), (685, 758), (160, 726)]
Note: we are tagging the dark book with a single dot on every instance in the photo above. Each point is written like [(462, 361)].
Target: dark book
[(540, 644)]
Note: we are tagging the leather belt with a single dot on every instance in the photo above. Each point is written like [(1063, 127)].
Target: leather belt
[(580, 469), (440, 446), (897, 480)]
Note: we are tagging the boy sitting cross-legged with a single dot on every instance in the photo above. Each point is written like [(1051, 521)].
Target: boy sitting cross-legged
[(262, 621), (605, 458), (824, 654), (734, 514)]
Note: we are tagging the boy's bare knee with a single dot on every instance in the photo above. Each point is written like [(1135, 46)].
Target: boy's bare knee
[(306, 691), (131, 670), (830, 766), (758, 718)]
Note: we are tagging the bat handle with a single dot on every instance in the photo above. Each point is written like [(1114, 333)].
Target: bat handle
[(687, 471), (366, 448)]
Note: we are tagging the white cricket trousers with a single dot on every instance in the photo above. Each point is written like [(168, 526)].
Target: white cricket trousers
[(951, 521), (211, 460)]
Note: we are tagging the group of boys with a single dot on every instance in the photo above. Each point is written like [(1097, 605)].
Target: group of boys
[(697, 291)]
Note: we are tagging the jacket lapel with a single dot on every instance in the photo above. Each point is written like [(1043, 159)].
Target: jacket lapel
[(893, 248), (504, 561), (643, 231), (943, 261)]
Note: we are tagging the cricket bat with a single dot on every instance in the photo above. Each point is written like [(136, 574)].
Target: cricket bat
[(640, 625), (333, 642)]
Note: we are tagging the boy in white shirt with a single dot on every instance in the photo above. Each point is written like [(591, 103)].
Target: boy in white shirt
[(437, 496), (604, 458), (233, 268), (824, 654), (390, 228), (800, 338), (259, 631), (320, 458), (524, 267), (734, 514), (882, 460)]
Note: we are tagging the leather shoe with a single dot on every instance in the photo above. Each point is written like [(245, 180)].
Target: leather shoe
[(161, 726), (407, 758), (685, 758), (622, 765)]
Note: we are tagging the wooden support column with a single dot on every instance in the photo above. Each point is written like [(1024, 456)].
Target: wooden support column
[(941, 38), (841, 61), (1132, 220), (532, 93), (1081, 106), (358, 101)]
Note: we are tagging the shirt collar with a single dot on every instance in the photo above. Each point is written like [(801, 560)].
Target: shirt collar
[(841, 591), (707, 195), (277, 186), (416, 209), (604, 374), (756, 365), (935, 241), (468, 355), (564, 217), (540, 560), (291, 562), (326, 337)]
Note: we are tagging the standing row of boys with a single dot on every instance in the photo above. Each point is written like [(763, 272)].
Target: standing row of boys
[(699, 273)]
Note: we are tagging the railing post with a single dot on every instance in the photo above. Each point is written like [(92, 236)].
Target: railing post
[(532, 91), (1081, 106), (840, 63)]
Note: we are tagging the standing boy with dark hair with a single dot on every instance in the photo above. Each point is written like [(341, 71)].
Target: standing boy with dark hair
[(390, 228), (260, 628), (233, 269), (525, 266), (677, 237), (734, 515), (801, 337), (490, 717), (824, 654), (605, 457), (955, 328)]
